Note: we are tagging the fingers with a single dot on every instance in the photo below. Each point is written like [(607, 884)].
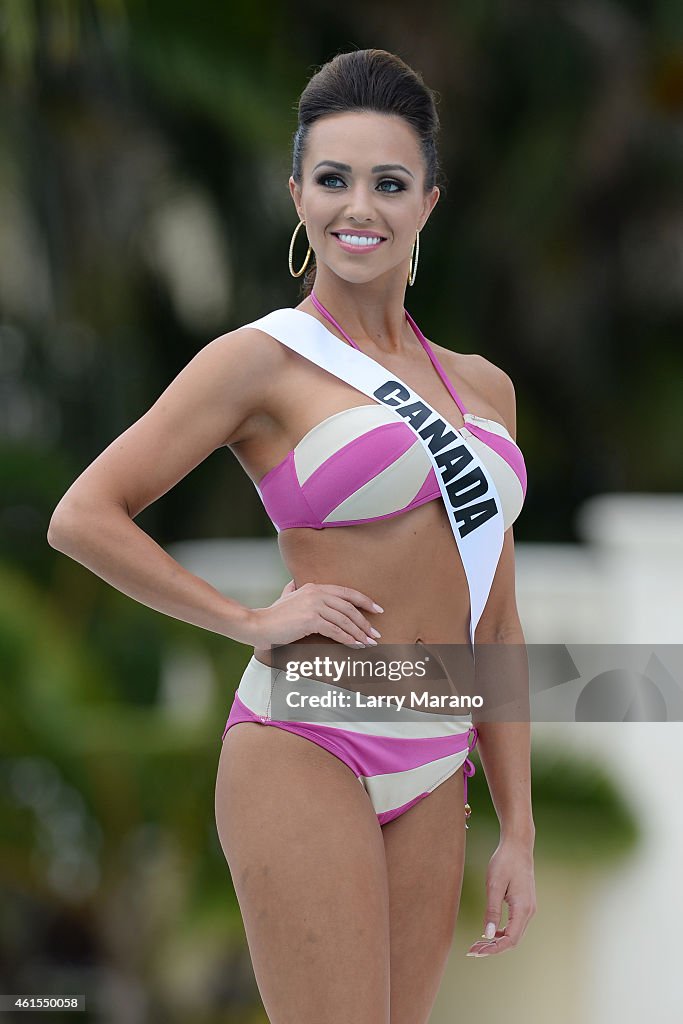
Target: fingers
[(520, 913), (327, 609), (521, 901), (519, 916), (500, 943), (354, 596), (489, 947), (340, 626), (339, 616), (352, 620)]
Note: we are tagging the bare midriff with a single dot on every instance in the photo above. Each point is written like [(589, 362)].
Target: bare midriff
[(408, 564)]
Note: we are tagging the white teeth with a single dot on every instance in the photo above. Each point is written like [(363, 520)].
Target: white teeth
[(359, 240)]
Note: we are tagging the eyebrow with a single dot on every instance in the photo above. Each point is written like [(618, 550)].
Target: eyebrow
[(379, 168)]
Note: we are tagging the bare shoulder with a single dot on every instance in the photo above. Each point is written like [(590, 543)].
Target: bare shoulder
[(485, 378), (215, 400), (248, 351), (248, 364), (497, 387)]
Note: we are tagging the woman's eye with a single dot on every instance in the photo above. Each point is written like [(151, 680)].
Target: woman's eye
[(323, 179), (391, 181), (397, 186)]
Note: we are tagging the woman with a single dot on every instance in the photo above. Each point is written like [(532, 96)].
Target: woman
[(349, 893)]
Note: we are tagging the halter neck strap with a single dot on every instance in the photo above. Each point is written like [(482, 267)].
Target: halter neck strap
[(418, 333)]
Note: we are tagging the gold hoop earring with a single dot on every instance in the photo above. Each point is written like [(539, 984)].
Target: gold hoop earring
[(413, 265), (293, 272)]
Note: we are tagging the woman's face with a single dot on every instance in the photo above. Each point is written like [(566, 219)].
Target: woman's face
[(363, 174)]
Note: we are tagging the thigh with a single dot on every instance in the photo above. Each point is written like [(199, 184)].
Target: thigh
[(425, 855), (307, 861)]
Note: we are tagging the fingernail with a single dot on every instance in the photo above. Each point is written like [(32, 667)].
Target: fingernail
[(490, 930), (375, 632), (377, 607), (371, 641)]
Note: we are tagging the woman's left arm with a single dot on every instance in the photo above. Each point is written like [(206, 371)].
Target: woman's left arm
[(502, 679), (504, 740)]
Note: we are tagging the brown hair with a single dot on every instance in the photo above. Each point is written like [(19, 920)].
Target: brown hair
[(373, 80)]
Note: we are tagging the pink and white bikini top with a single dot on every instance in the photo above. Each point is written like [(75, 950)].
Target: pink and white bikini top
[(361, 465)]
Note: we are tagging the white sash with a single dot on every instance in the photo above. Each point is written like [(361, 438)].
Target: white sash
[(468, 491)]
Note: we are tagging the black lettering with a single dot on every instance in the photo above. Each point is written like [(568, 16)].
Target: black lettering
[(472, 485), (417, 413), (454, 461), (436, 435), (390, 388), (462, 490), (475, 516)]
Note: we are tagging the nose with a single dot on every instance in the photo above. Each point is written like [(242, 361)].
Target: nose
[(359, 204)]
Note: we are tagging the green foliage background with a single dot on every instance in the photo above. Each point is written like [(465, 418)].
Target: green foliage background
[(555, 251)]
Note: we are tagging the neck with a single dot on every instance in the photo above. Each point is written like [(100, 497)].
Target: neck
[(372, 314)]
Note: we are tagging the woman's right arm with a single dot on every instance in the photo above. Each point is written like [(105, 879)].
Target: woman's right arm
[(205, 407)]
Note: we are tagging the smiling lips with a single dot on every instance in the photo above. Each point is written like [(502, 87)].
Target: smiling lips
[(358, 242)]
